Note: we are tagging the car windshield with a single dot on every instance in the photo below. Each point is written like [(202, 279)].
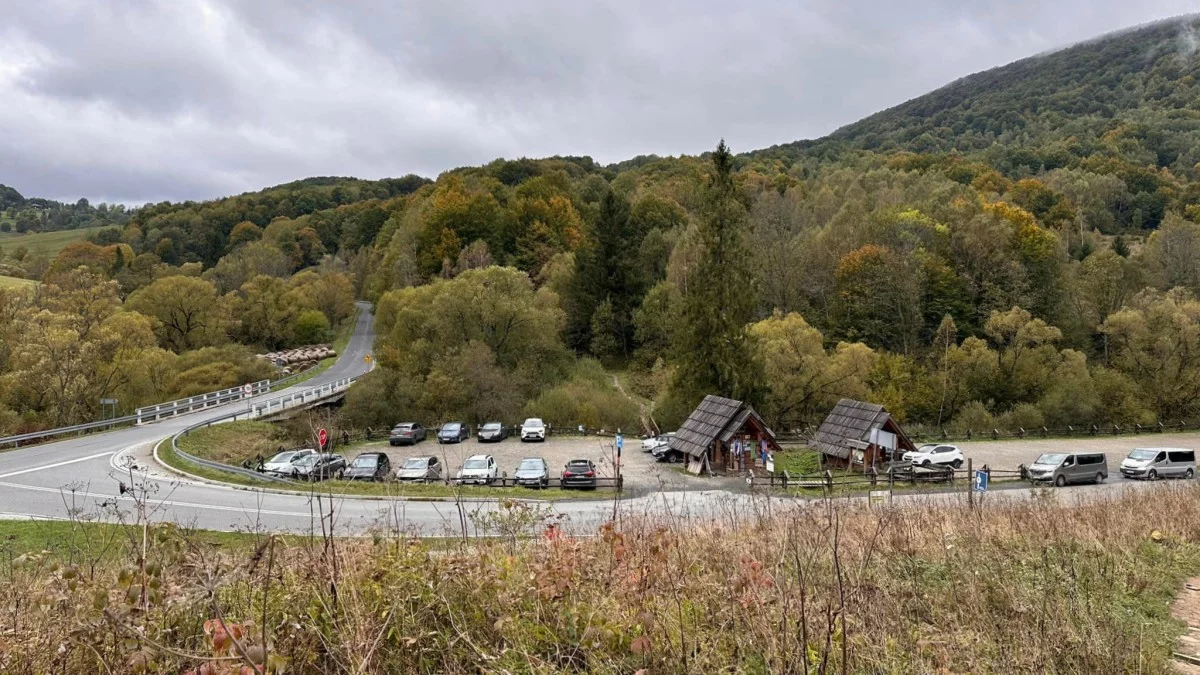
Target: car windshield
[(492, 426), (475, 464), (415, 463), (1142, 454), (1051, 459), (281, 458), (926, 448), (307, 460), (366, 461), (530, 465), (533, 422), (450, 427)]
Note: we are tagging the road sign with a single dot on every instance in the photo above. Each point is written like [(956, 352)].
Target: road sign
[(879, 497), (367, 358), (108, 401), (980, 483), (247, 389), (322, 437)]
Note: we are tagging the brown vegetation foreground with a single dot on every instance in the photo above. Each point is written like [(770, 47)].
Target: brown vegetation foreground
[(1045, 585)]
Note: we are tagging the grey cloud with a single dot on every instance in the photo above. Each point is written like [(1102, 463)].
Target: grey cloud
[(145, 100)]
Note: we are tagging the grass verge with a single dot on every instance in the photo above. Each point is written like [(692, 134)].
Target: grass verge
[(104, 541), (1042, 585)]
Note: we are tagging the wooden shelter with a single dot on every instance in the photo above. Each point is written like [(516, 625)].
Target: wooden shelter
[(711, 436), (859, 434)]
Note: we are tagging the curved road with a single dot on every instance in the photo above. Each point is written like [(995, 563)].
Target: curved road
[(78, 475)]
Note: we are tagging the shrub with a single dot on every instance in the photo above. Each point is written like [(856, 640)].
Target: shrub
[(975, 417), (588, 397), (1023, 416)]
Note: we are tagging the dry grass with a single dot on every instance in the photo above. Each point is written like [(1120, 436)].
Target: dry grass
[(1036, 586)]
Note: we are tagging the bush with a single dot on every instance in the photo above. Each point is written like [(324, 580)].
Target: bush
[(1024, 416), (588, 397), (311, 328), (975, 417)]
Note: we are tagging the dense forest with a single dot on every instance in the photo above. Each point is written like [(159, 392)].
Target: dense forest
[(1017, 249), (18, 214)]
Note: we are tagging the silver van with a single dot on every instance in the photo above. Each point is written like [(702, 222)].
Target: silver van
[(1061, 468), (1155, 463)]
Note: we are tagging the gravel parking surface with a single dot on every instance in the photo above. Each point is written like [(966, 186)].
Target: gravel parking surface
[(1011, 453), (642, 473)]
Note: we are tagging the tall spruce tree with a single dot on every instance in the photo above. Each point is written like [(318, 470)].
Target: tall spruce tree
[(605, 273), (715, 355)]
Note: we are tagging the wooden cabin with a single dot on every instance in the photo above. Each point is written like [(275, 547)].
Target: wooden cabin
[(709, 436), (859, 435)]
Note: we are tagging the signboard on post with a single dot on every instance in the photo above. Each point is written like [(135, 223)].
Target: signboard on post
[(980, 484), (322, 437), (879, 497), (247, 389)]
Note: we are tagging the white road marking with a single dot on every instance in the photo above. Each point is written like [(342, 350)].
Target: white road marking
[(55, 465), (151, 502)]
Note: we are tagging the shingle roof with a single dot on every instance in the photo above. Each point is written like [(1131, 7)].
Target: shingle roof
[(715, 418), (849, 421)]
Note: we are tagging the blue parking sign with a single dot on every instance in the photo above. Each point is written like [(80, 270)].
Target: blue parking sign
[(981, 481)]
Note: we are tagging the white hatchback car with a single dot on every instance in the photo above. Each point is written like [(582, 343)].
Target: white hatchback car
[(481, 469), (936, 454), (533, 430), (656, 442)]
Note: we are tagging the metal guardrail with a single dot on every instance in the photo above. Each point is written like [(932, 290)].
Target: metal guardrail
[(193, 403), (170, 409), (271, 407)]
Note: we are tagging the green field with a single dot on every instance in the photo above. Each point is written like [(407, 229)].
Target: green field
[(48, 243), (13, 282)]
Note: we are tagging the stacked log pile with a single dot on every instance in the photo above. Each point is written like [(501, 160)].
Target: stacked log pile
[(301, 358)]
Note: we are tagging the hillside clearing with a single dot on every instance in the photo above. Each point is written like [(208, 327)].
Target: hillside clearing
[(47, 243)]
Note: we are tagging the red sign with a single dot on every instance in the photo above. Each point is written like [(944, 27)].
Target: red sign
[(322, 437)]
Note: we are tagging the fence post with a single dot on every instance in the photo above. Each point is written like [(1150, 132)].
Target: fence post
[(786, 476), (1159, 427), (1045, 432), (1070, 429), (828, 482), (968, 434), (995, 434), (891, 477), (1116, 430), (970, 485), (1094, 429), (874, 477)]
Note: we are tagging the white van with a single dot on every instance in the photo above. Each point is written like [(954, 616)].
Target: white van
[(1155, 463)]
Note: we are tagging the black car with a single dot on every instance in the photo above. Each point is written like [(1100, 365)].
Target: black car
[(580, 473), (453, 432), (369, 466), (318, 467), (492, 432), (407, 433)]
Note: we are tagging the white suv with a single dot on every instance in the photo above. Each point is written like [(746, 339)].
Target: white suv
[(479, 469), (533, 430), (935, 454)]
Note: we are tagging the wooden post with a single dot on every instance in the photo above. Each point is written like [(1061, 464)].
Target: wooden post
[(970, 485)]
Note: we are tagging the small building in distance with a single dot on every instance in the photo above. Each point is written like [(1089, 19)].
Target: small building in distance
[(858, 434), (712, 435)]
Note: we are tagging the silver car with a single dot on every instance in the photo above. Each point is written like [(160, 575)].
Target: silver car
[(1061, 468), (283, 463), (1155, 463), (425, 469), (532, 472)]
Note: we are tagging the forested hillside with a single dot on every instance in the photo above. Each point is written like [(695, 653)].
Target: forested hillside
[(1020, 248)]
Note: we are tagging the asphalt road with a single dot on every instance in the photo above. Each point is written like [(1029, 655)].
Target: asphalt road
[(79, 476)]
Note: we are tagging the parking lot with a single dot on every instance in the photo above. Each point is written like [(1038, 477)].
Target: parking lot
[(1011, 453), (641, 472)]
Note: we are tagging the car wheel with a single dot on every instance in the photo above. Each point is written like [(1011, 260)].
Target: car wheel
[(956, 464), (1099, 478), (925, 464), (1060, 481), (1188, 474), (1153, 475)]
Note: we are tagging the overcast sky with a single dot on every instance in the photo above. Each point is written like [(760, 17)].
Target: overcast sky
[(136, 100)]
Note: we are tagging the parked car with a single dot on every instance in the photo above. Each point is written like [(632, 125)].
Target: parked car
[(425, 469), (453, 432), (281, 463), (492, 432), (664, 453), (1076, 467), (653, 443), (533, 429), (318, 467), (479, 469), (369, 466), (935, 454), (407, 433), (580, 473), (532, 472), (1155, 463)]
